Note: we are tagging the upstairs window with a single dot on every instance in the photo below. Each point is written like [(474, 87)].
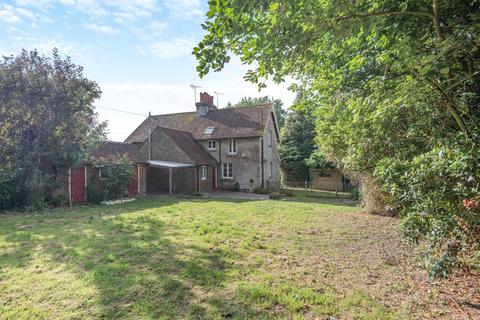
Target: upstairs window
[(209, 130), (212, 145), (269, 137), (203, 172), (227, 171), (232, 146)]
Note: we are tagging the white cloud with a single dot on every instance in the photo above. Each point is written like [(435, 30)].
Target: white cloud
[(101, 28), (11, 14), (80, 54), (153, 29), (184, 9), (171, 49), (120, 9)]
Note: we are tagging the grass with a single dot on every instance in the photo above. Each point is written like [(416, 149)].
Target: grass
[(164, 258)]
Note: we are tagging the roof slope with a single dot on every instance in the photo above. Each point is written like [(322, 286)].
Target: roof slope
[(113, 151), (185, 142), (228, 123)]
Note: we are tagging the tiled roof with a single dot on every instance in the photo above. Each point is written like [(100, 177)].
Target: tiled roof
[(113, 151), (228, 123), (194, 151)]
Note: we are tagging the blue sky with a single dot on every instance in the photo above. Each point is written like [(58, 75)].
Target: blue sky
[(139, 51)]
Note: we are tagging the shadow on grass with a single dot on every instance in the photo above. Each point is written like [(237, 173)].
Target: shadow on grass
[(138, 264)]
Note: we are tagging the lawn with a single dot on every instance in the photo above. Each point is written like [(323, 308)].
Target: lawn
[(163, 258)]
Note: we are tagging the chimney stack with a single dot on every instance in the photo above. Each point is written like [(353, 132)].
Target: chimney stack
[(205, 104)]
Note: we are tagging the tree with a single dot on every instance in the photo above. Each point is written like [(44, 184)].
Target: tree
[(298, 144), (280, 113), (396, 85), (47, 119)]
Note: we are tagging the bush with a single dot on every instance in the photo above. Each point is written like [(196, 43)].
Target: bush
[(36, 187), (260, 190), (287, 193), (196, 194), (95, 193), (118, 175), (59, 201), (11, 192), (437, 195), (236, 187), (275, 196)]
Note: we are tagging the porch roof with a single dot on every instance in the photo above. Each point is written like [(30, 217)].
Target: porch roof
[(167, 164)]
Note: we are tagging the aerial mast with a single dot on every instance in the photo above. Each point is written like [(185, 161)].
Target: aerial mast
[(194, 87)]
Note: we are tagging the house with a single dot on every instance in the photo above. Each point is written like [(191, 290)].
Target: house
[(200, 151)]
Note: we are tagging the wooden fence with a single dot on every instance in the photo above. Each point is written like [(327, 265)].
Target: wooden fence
[(322, 189)]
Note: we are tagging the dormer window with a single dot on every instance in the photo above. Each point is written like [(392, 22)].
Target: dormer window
[(209, 130)]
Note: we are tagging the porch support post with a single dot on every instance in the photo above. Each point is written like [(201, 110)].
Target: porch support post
[(170, 182)]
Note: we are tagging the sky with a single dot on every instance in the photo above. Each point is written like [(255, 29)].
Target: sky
[(138, 51)]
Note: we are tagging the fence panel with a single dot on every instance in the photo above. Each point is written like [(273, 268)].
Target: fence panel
[(321, 189)]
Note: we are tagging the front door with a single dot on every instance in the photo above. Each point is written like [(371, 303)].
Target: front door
[(78, 182), (214, 178)]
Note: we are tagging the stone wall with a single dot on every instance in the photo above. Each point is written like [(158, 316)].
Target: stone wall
[(143, 179), (271, 159), (163, 149), (246, 163)]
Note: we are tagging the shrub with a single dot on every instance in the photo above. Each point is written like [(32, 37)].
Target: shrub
[(196, 194), (11, 191), (275, 196), (36, 191), (95, 193), (59, 201), (236, 187), (437, 196), (119, 175), (260, 190), (287, 193)]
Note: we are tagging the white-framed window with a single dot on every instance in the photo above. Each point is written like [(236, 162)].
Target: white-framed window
[(269, 137), (232, 146), (212, 145), (227, 170), (203, 172)]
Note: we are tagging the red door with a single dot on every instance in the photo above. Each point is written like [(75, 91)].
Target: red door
[(214, 177), (133, 187), (78, 185)]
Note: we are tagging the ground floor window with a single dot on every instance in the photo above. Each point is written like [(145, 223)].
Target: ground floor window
[(227, 171), (203, 172)]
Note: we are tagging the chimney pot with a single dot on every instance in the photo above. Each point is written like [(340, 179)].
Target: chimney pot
[(205, 104)]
